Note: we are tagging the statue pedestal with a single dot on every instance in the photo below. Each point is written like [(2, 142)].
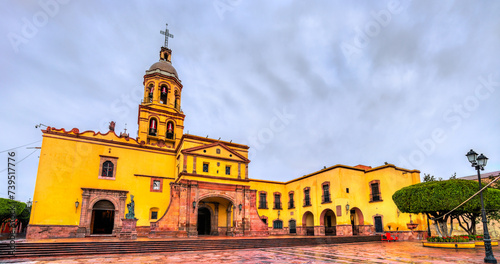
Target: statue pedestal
[(128, 231)]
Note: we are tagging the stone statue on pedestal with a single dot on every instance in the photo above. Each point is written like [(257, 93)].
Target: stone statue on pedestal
[(128, 231), (130, 206)]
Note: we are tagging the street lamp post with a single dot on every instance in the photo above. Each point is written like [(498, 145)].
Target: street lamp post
[(479, 163), (28, 204)]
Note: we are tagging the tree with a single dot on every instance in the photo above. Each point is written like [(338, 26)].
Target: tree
[(429, 178), (495, 185), (5, 208), (437, 198), (21, 211), (493, 214), (467, 221)]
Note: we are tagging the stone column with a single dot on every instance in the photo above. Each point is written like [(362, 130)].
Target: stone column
[(183, 210), (120, 212), (245, 212), (192, 196), (215, 224), (229, 231), (238, 214), (84, 216)]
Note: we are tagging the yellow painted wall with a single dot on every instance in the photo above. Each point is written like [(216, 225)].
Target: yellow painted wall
[(216, 167), (340, 178), (271, 188), (217, 162), (68, 164)]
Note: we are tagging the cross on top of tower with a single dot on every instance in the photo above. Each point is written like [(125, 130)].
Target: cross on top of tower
[(167, 35)]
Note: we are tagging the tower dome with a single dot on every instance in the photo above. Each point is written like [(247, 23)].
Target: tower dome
[(165, 66)]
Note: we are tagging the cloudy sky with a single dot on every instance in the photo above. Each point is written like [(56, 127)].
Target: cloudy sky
[(304, 84)]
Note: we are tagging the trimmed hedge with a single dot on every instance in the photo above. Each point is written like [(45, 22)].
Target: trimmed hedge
[(442, 196)]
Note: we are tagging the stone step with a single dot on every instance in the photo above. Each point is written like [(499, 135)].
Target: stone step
[(27, 250)]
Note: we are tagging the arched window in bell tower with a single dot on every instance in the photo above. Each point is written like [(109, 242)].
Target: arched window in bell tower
[(153, 125), (163, 94), (150, 93), (170, 130)]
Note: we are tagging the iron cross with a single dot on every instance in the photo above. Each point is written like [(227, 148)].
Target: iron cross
[(167, 35)]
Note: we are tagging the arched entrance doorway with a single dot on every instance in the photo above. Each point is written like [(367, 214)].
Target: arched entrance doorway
[(215, 216), (356, 220), (204, 221), (103, 217), (329, 221), (308, 223)]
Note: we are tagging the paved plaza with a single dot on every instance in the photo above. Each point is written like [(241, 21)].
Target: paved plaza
[(369, 252)]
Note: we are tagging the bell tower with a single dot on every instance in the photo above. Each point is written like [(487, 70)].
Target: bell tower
[(161, 120)]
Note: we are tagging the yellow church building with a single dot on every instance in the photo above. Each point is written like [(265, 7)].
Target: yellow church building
[(186, 186)]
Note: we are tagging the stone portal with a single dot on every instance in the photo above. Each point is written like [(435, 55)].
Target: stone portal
[(232, 211), (101, 212)]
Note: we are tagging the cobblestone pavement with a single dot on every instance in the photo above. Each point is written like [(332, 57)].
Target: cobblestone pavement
[(369, 252)]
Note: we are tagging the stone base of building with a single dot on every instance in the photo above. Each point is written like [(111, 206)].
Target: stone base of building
[(51, 231), (238, 234), (307, 230), (221, 231), (81, 232), (344, 230), (277, 232), (256, 233), (142, 231), (128, 231), (181, 234), (168, 234), (319, 230), (162, 234), (366, 230)]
